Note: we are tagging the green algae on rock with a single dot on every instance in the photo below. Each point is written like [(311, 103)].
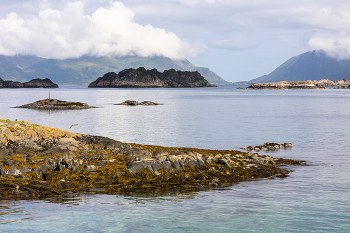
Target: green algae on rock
[(54, 104), (38, 161)]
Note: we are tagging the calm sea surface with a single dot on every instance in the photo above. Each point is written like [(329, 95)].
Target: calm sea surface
[(315, 198)]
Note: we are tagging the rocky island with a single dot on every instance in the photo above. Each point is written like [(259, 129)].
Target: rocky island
[(54, 104), (38, 161), (34, 83), (321, 84), (285, 85), (142, 78)]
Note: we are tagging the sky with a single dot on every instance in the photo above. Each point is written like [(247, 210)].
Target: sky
[(238, 40)]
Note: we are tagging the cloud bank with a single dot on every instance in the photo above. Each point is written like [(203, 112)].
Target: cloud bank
[(69, 33)]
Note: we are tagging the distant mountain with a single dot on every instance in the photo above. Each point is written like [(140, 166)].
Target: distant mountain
[(314, 65), (86, 69)]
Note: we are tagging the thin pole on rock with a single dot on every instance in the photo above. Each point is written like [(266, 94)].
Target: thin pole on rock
[(49, 95)]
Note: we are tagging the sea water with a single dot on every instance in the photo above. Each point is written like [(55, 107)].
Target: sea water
[(315, 198)]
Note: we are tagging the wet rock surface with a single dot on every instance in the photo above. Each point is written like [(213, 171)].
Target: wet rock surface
[(54, 104), (38, 161), (34, 83), (269, 147), (134, 103)]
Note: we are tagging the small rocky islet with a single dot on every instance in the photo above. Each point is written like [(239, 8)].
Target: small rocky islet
[(38, 161), (135, 103), (55, 104)]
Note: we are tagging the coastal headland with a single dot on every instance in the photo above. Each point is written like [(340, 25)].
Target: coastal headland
[(38, 161), (142, 78)]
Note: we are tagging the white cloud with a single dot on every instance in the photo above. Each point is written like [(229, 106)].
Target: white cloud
[(72, 33), (334, 46)]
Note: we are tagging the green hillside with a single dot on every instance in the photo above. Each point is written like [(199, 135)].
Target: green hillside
[(86, 69), (314, 65)]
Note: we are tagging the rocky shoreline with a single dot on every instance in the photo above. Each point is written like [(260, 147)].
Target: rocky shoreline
[(38, 161), (34, 83), (54, 104)]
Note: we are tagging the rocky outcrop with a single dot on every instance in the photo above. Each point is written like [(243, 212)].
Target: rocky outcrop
[(54, 104), (34, 83), (134, 103), (285, 85), (310, 84), (269, 147), (142, 78), (38, 161)]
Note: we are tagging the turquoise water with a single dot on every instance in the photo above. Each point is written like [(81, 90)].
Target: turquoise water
[(315, 198)]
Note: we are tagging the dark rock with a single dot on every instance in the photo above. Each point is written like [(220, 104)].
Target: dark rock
[(55, 104), (12, 84), (39, 169), (37, 83), (130, 102), (34, 83), (51, 164), (142, 78), (134, 103), (191, 162), (166, 165), (156, 165), (106, 143), (2, 172), (223, 162), (176, 165), (136, 153), (9, 162), (135, 166)]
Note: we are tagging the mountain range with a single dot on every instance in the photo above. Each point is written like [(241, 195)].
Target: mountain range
[(313, 65), (86, 69)]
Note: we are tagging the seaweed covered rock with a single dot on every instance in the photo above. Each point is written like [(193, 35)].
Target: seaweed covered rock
[(38, 161), (142, 78), (54, 104)]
